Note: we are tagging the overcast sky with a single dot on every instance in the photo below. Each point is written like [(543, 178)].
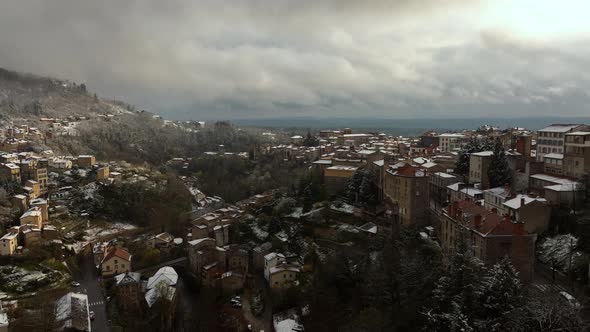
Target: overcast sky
[(369, 58)]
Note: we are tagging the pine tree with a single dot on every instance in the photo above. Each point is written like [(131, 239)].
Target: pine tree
[(353, 186), (367, 188), (462, 165), (500, 294), (456, 294), (310, 140), (499, 172)]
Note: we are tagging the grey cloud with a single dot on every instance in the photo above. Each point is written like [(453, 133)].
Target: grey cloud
[(270, 58)]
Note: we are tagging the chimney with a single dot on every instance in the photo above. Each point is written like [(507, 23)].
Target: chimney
[(519, 228), (477, 220)]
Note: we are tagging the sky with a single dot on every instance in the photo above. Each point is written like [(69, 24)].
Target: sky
[(223, 59)]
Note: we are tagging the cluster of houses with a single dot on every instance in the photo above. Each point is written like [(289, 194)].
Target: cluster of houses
[(217, 262), (417, 178), (37, 179)]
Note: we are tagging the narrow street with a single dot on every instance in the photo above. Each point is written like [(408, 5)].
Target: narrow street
[(264, 321), (88, 278)]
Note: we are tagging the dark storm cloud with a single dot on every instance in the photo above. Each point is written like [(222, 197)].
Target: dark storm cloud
[(258, 58)]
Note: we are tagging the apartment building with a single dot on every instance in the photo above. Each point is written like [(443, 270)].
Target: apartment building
[(479, 164), (553, 163), (551, 139), (408, 186), (491, 237), (450, 142), (576, 160)]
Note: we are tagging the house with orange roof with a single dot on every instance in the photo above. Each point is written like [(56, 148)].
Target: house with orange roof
[(116, 260)]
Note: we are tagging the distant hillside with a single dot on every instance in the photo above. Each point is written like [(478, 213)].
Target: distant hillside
[(31, 96)]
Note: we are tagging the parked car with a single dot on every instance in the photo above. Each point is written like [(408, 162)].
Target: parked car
[(92, 315)]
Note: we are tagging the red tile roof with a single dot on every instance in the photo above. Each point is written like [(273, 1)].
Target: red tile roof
[(490, 223), (117, 252), (408, 170)]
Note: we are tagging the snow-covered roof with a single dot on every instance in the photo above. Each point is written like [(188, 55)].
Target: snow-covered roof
[(152, 295), (499, 191), (284, 267), (343, 168), (72, 311), (165, 275), (553, 179), (515, 203), (471, 191), (3, 319), (563, 187), (323, 162), (369, 228), (356, 135), (451, 135), (287, 321), (126, 278), (379, 163), (454, 186), (33, 212), (579, 133), (554, 156), (560, 128), (483, 153), (270, 256), (420, 160), (444, 175)]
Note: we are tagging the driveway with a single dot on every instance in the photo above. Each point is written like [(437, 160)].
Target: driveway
[(88, 278)]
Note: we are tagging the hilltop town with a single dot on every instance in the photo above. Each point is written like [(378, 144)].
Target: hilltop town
[(269, 237)]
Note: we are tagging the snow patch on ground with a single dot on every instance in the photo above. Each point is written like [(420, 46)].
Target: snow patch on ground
[(112, 229), (344, 208), (258, 232), (346, 228), (297, 212)]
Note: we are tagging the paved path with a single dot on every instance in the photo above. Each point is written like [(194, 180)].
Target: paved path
[(88, 278)]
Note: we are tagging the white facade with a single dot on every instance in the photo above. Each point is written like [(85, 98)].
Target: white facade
[(450, 142), (552, 139)]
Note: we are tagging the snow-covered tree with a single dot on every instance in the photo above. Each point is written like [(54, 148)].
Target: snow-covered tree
[(457, 292), (500, 294), (499, 172), (474, 145), (361, 187), (559, 250)]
